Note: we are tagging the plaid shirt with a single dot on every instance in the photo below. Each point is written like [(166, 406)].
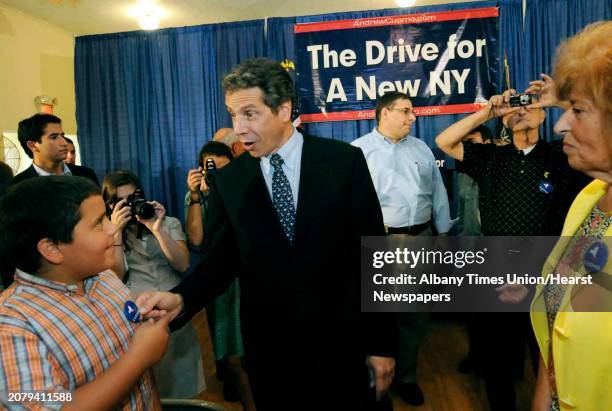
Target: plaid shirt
[(54, 338)]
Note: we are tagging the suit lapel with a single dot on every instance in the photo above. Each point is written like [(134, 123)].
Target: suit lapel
[(311, 175), (256, 193)]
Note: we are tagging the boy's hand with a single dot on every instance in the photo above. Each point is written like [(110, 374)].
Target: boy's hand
[(150, 341), (158, 304)]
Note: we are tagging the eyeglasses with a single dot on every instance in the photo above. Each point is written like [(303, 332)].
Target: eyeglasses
[(406, 111)]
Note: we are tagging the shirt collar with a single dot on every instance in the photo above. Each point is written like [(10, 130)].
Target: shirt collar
[(533, 150), (33, 280), (287, 151), (42, 172), (386, 139)]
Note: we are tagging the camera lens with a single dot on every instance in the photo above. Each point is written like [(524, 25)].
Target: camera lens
[(145, 210)]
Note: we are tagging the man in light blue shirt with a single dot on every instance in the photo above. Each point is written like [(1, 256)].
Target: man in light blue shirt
[(408, 183), (412, 196)]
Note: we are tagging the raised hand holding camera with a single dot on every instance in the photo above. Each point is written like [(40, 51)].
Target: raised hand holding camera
[(545, 89), (141, 208), (121, 215), (153, 223), (499, 105), (194, 181)]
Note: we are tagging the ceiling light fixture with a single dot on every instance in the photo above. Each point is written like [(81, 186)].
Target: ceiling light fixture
[(147, 13), (405, 3)]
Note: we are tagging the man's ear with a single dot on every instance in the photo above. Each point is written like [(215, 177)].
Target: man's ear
[(284, 111), (384, 112), (31, 144), (50, 251)]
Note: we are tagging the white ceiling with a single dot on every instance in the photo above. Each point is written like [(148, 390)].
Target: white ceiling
[(82, 17)]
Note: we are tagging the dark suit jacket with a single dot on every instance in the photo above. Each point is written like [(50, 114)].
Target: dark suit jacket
[(76, 171), (304, 335)]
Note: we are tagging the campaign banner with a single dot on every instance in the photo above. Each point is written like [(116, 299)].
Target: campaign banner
[(447, 62)]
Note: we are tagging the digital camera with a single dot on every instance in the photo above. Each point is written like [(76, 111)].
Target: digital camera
[(211, 170), (139, 205), (519, 100)]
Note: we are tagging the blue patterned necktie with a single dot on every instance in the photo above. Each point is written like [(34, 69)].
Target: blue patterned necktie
[(282, 197)]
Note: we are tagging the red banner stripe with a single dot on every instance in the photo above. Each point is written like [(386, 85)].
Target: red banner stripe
[(370, 114), (397, 20)]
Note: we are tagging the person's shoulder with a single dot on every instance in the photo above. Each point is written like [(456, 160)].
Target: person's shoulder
[(13, 307), (362, 141), (110, 279), (486, 149), (80, 170), (29, 172), (172, 222), (329, 145)]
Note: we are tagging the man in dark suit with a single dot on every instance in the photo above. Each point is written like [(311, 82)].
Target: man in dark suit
[(288, 220), (42, 138)]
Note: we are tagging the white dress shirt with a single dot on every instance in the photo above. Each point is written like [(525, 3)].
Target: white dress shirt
[(43, 173)]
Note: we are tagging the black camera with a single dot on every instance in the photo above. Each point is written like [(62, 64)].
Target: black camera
[(139, 205), (211, 170), (519, 100)]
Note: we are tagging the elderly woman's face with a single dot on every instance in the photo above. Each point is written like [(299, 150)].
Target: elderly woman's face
[(587, 143)]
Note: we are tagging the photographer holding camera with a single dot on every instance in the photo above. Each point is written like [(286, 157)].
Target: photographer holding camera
[(525, 189), (224, 312), (155, 252)]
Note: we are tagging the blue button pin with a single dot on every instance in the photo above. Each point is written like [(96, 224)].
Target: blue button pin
[(545, 187), (131, 311), (596, 257)]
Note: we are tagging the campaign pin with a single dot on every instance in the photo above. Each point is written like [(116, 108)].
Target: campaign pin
[(131, 311), (596, 257), (545, 187)]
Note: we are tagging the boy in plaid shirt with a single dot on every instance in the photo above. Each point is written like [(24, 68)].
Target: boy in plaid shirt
[(65, 340)]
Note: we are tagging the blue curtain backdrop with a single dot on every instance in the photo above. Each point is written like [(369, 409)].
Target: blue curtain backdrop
[(547, 24), (147, 101)]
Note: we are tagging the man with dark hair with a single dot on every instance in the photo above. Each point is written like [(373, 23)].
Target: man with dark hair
[(413, 198), (42, 138), (288, 219)]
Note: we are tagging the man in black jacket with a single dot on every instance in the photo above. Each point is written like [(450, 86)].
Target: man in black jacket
[(42, 138), (287, 219)]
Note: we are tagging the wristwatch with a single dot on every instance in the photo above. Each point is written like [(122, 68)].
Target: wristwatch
[(192, 202)]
